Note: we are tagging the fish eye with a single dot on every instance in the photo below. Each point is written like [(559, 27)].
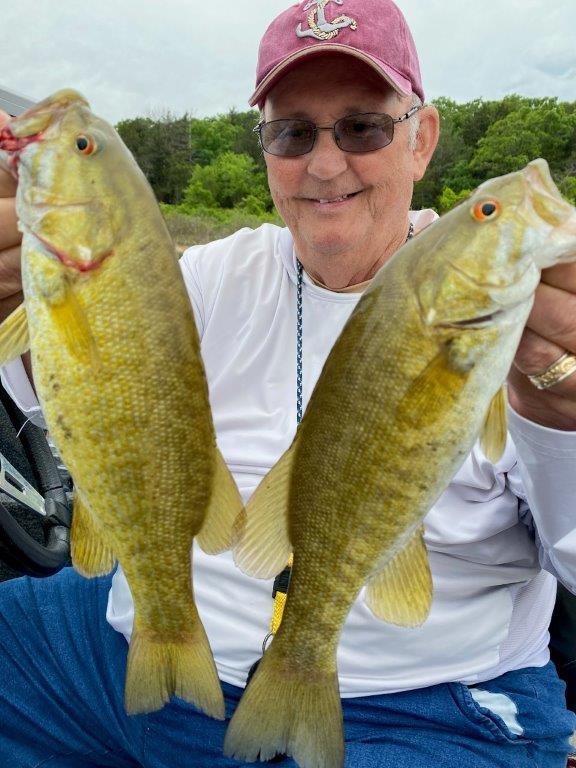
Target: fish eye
[(86, 144), (486, 210)]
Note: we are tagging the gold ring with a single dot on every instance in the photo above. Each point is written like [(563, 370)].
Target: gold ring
[(555, 373)]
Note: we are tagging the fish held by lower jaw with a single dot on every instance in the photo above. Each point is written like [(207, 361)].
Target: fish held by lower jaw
[(104, 342), (546, 201)]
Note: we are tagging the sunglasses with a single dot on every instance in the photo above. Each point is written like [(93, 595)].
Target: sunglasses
[(365, 132)]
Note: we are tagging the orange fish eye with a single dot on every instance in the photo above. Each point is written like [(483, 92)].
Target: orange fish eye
[(486, 210), (86, 145)]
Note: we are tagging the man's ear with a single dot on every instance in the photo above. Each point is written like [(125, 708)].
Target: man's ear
[(426, 140)]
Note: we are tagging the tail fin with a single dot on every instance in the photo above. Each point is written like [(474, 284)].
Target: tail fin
[(290, 712), (158, 669)]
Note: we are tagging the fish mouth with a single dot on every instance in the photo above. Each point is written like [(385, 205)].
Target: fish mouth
[(546, 198), (83, 266), (14, 145), (477, 323), (32, 126), (11, 143)]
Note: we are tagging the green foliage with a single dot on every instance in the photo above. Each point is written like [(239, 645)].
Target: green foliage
[(229, 180), (162, 150), (483, 139), (542, 129), (213, 136), (211, 169), (448, 199), (568, 188)]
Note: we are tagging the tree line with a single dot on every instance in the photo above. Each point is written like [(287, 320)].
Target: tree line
[(211, 166)]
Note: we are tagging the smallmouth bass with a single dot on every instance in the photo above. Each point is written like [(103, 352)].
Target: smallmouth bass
[(415, 376), (117, 368)]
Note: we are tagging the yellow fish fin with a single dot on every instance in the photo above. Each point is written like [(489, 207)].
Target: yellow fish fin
[(70, 318), (225, 517), (159, 668), (14, 336), (429, 395), (401, 593), (91, 556), (495, 429), (287, 710), (264, 548)]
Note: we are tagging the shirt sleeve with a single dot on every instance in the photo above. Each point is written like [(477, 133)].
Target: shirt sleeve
[(544, 479)]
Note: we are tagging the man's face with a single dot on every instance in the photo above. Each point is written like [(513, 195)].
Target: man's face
[(378, 184)]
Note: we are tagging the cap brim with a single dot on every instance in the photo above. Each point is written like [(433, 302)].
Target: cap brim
[(395, 80)]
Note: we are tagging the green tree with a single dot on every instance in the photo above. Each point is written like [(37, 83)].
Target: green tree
[(450, 150), (210, 137), (448, 199), (226, 182), (568, 188), (544, 129), (162, 150)]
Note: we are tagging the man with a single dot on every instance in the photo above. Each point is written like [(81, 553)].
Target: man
[(473, 685)]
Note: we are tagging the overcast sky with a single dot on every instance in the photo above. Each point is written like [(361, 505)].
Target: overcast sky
[(139, 57)]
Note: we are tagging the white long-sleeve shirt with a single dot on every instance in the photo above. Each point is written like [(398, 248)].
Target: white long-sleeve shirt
[(489, 536)]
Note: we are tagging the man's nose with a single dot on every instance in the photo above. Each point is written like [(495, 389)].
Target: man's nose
[(326, 160)]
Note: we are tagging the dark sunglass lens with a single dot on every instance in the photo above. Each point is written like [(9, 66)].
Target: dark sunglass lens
[(364, 133), (287, 138)]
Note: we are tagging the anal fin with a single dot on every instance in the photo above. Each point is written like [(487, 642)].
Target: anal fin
[(265, 546), (225, 516), (401, 593), (91, 556)]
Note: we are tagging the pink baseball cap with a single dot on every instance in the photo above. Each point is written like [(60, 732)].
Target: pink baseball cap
[(374, 31)]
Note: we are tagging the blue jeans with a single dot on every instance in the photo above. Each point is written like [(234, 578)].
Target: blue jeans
[(61, 689)]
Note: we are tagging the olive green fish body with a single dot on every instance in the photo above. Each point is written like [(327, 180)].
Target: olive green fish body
[(118, 371), (348, 516), (136, 458), (402, 398)]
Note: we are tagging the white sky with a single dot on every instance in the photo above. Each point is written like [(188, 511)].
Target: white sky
[(139, 57)]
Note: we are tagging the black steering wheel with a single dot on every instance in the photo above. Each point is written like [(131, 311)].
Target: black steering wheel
[(35, 506)]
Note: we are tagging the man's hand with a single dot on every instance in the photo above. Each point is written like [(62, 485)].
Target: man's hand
[(10, 237), (549, 334)]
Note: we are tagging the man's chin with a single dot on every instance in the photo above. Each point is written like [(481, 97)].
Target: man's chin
[(331, 245)]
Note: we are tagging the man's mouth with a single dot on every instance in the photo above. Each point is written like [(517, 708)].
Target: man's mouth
[(328, 200)]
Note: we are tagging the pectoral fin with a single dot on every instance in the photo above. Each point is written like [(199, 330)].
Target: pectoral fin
[(14, 336), (401, 593), (429, 395), (70, 317), (265, 546), (495, 429), (225, 518), (91, 555)]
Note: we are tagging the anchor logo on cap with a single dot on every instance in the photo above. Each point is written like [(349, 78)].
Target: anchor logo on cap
[(322, 29)]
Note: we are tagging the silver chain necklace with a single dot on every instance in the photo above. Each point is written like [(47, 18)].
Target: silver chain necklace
[(299, 375)]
